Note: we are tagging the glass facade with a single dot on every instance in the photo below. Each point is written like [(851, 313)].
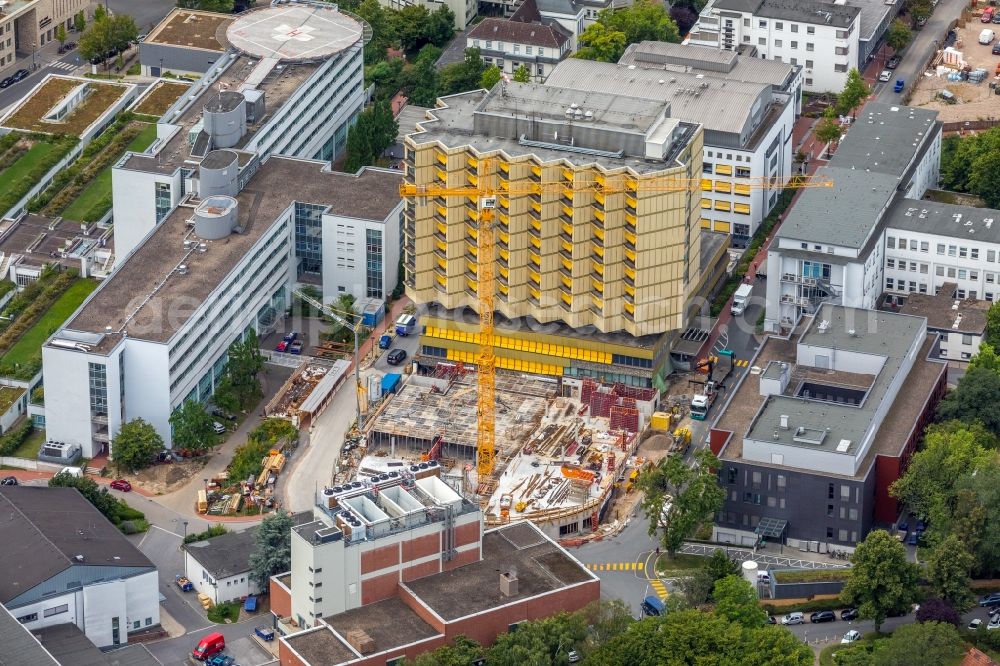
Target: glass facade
[(309, 238), (373, 263), (162, 201), (98, 389)]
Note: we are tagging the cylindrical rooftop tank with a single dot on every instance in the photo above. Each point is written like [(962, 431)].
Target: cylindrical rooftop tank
[(215, 217), (226, 119), (750, 570), (218, 174), (374, 388)]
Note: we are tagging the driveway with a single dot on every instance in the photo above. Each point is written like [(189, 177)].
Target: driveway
[(916, 56), (239, 644)]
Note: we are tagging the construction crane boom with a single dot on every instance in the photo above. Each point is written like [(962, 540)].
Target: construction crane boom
[(485, 192), (354, 328)]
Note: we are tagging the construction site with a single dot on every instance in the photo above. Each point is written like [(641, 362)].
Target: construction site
[(562, 448)]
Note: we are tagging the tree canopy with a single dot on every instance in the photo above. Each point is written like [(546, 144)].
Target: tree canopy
[(106, 36), (921, 643), (135, 445), (736, 600), (898, 35), (240, 387), (854, 93), (606, 39), (193, 427), (222, 6), (881, 579), (374, 131), (969, 164), (948, 570), (678, 498), (273, 548), (490, 77), (828, 129)]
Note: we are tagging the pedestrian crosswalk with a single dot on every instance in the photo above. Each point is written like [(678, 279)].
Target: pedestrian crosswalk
[(659, 588), (59, 64), (617, 566), (741, 363)]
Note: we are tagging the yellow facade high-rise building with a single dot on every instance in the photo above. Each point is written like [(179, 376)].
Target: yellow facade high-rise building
[(623, 264)]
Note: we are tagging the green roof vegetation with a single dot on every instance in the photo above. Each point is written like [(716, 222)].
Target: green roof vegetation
[(8, 396), (811, 575), (28, 349)]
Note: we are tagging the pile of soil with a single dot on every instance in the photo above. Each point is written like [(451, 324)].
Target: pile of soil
[(163, 479)]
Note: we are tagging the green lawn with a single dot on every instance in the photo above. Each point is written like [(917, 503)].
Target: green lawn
[(100, 188), (24, 165), (679, 565), (31, 342), (30, 447), (811, 575)]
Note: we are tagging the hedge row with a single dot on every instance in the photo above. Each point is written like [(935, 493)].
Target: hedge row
[(8, 141), (27, 317), (13, 439), (98, 154), (13, 193), (763, 231), (28, 295), (12, 154)]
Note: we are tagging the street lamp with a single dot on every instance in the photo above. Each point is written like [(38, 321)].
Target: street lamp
[(185, 524), (32, 56)]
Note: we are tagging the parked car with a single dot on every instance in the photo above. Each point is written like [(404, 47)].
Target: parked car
[(8, 481), (975, 624), (822, 616), (990, 600), (282, 346), (218, 428), (296, 348), (771, 619), (849, 614), (985, 37), (893, 62), (851, 636), (20, 75), (573, 656), (996, 51), (264, 633), (994, 623), (122, 485), (922, 21), (885, 76), (396, 356), (221, 660), (793, 618), (385, 341), (218, 413), (210, 645), (900, 84), (7, 82), (912, 539), (291, 337)]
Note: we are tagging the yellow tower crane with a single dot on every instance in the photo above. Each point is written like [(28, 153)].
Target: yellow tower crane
[(485, 192)]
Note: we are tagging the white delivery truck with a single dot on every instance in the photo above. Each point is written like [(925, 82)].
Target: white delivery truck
[(741, 298)]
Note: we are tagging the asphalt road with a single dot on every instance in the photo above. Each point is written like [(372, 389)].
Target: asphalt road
[(834, 631), (918, 53), (147, 13), (14, 93), (174, 651)]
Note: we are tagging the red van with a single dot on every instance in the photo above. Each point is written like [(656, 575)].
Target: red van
[(987, 16), (209, 645)]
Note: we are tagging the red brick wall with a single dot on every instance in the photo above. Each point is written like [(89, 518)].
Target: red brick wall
[(378, 588), (717, 440), (411, 652), (421, 570), (414, 549), (380, 558), (466, 534), (287, 657), (462, 558), (281, 600), (427, 616)]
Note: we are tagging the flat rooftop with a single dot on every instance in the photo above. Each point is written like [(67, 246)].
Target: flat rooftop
[(191, 29), (278, 86), (885, 138), (321, 647), (390, 623), (740, 415), (454, 124), (42, 240), (721, 104), (161, 300), (540, 565), (707, 60), (963, 223), (946, 313), (294, 32), (29, 114)]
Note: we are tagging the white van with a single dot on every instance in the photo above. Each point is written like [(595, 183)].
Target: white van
[(72, 471), (987, 36)]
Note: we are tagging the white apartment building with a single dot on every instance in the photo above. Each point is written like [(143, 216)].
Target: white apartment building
[(831, 245), (511, 43), (361, 256), (747, 106), (827, 39), (261, 97), (157, 331), (65, 563)]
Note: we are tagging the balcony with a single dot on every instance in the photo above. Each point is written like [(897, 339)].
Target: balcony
[(535, 174), (567, 175), (534, 295), (472, 162), (566, 251), (599, 216), (631, 184), (565, 300), (597, 286), (629, 312), (441, 176), (472, 180), (566, 274), (441, 158), (504, 166), (598, 251), (630, 220), (630, 202)]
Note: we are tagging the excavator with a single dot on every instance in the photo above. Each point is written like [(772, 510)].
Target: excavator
[(712, 366)]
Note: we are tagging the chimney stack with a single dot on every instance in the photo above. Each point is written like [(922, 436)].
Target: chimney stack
[(508, 584)]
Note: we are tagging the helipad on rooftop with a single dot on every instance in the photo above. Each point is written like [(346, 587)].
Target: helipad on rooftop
[(295, 32)]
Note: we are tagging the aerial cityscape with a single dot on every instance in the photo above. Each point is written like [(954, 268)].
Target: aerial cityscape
[(507, 332)]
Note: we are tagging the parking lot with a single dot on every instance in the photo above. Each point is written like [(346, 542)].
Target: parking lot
[(973, 101)]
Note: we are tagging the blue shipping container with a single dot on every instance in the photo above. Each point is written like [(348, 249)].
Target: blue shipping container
[(390, 383)]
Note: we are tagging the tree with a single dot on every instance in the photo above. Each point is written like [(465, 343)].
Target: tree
[(983, 484), (462, 76), (61, 34), (684, 16), (545, 641), (222, 6), (966, 164), (135, 445), (983, 181), (383, 29), (80, 21), (607, 620), (881, 579), (938, 610), (736, 600), (193, 427), (490, 77), (410, 24), (948, 570), (991, 337), (854, 93), (374, 131), (245, 362), (464, 652), (421, 79), (679, 498), (919, 9), (522, 74), (440, 27), (698, 587), (974, 399), (921, 643), (828, 129), (107, 36), (615, 29), (225, 397), (987, 357), (898, 35), (99, 13), (273, 547)]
